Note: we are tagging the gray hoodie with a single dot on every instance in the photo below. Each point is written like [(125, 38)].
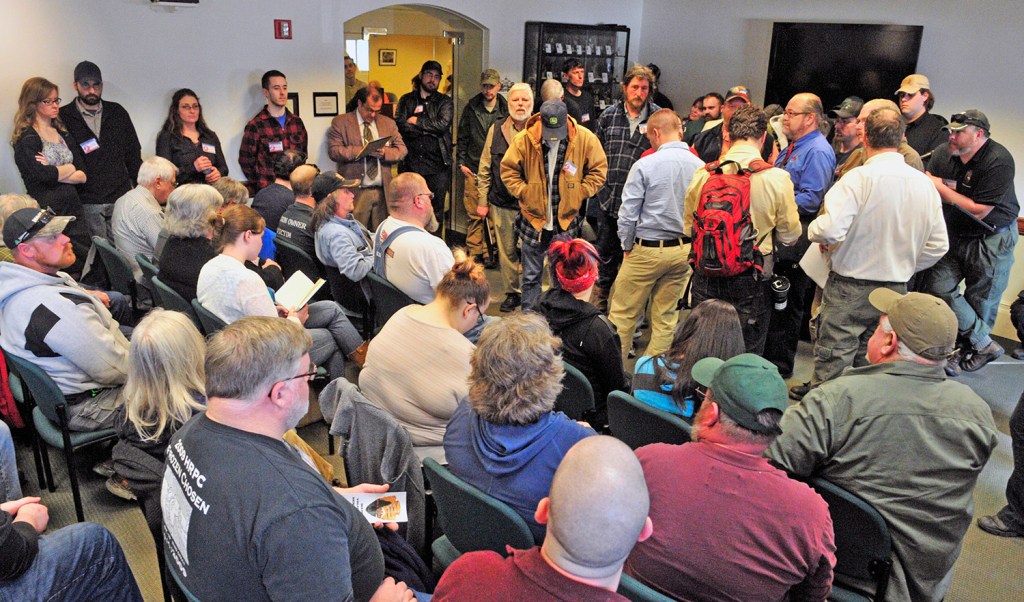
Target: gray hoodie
[(54, 323)]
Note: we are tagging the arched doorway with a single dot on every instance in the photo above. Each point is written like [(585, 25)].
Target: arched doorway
[(390, 45)]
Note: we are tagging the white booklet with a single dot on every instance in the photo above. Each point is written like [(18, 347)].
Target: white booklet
[(297, 291), (388, 507), (816, 264)]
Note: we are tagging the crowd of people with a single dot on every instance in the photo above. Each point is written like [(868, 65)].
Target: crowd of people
[(860, 224)]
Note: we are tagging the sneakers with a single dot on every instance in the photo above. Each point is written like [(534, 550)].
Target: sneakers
[(104, 468), (511, 302), (797, 392), (118, 485), (1018, 353), (977, 360), (995, 525), (953, 368)]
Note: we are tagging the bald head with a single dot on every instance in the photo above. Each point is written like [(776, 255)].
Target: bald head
[(803, 115), (868, 108), (598, 507), (551, 89), (667, 125), (883, 129), (302, 179)]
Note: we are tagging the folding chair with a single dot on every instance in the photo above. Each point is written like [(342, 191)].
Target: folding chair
[(149, 270), (294, 259), (350, 296), (577, 397), (210, 321), (119, 270), (637, 424), (638, 592), (386, 299), (168, 298)]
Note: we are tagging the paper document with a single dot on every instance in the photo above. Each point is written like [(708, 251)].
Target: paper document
[(816, 264), (297, 291), (388, 507), (373, 146)]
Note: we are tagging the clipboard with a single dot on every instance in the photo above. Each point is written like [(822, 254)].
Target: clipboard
[(373, 146), (950, 208)]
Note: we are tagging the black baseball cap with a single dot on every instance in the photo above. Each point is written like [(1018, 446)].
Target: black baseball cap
[(87, 70), (25, 224), (327, 182)]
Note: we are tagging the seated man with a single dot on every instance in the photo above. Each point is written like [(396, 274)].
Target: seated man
[(271, 201), (79, 562), (405, 251), (51, 321), (139, 215), (294, 225), (504, 438), (595, 513), (730, 526), (903, 437), (245, 517)]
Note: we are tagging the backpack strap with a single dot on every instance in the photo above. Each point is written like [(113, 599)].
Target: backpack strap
[(758, 165), (380, 248)]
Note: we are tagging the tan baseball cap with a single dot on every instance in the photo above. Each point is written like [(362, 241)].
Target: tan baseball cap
[(913, 83), (924, 323), (490, 76)]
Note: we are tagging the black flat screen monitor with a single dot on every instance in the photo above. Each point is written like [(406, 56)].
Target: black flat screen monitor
[(836, 60)]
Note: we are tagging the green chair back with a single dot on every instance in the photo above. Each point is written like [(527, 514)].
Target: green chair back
[(638, 424), (386, 299), (119, 270), (577, 396), (210, 321), (638, 592), (168, 298), (294, 259), (149, 270)]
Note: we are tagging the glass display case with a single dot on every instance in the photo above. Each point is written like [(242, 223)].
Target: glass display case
[(603, 50)]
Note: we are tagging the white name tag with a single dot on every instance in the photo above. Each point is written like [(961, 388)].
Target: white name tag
[(209, 148), (643, 128), (570, 168), (90, 145), (276, 147), (585, 117), (419, 109)]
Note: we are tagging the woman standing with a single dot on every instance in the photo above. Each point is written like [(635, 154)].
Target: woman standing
[(48, 160), (189, 143)]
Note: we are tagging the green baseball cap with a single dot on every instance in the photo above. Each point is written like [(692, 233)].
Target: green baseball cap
[(743, 386)]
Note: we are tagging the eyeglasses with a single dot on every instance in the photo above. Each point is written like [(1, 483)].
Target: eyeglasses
[(906, 95), (194, 107), (309, 376), (51, 101), (38, 223), (791, 114), (429, 195)]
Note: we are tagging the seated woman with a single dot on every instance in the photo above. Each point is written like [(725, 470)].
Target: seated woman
[(504, 437), (711, 330), (235, 193), (231, 291), (190, 211), (342, 242), (417, 366), (589, 340), (189, 143)]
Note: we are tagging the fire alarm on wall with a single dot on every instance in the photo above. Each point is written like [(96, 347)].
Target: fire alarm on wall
[(282, 29)]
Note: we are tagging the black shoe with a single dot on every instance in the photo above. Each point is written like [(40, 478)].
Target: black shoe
[(953, 368), (104, 468), (979, 358), (995, 525), (797, 392), (479, 259), (1018, 353), (511, 302), (118, 485)]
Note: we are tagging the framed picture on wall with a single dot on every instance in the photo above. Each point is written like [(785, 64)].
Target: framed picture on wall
[(387, 57), (325, 104), (293, 103)]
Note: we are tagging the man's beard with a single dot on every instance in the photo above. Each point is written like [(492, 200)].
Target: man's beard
[(90, 99), (432, 224)]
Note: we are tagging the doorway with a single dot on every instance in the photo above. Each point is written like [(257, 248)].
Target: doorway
[(390, 45)]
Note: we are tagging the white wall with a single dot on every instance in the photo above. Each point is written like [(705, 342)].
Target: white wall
[(969, 52)]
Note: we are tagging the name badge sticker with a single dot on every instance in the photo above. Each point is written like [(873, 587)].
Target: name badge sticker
[(276, 146), (90, 145), (570, 168), (643, 129), (209, 148), (585, 117), (419, 109)]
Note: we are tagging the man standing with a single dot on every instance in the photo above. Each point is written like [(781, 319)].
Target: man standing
[(651, 224), (483, 110), (846, 138), (494, 200), (424, 117), (271, 132), (51, 321), (857, 157), (656, 96), (974, 177), (622, 130), (573, 74), (811, 164), (882, 223), (348, 134), (139, 214), (112, 151), (244, 512), (718, 489), (924, 129), (773, 214), (551, 169), (294, 225), (351, 83), (712, 143), (712, 108), (1009, 522), (902, 437)]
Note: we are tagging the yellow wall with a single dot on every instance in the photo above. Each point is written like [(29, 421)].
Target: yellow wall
[(413, 51)]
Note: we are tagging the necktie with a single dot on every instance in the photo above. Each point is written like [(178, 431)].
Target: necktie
[(371, 162), (789, 152)]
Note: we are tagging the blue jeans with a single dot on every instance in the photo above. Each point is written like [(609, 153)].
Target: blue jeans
[(334, 337), (79, 562), (10, 486), (531, 255)]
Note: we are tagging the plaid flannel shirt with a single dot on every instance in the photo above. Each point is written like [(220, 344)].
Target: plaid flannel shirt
[(254, 154), (623, 150), (526, 232)]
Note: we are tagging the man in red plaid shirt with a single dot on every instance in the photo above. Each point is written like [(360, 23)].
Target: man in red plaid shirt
[(272, 131)]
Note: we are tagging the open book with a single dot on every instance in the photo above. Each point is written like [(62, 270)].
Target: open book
[(297, 291), (373, 146)]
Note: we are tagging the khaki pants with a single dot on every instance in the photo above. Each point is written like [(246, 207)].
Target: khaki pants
[(474, 223), (655, 273), (508, 252), (370, 208)]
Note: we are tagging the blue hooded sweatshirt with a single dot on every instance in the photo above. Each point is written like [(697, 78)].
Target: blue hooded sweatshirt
[(513, 463)]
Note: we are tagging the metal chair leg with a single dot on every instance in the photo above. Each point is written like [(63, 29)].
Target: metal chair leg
[(69, 457), (330, 444)]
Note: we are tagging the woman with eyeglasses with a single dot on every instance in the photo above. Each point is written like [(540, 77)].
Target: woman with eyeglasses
[(189, 143), (231, 291), (417, 366), (48, 158)]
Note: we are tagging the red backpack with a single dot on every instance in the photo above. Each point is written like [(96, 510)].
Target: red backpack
[(723, 234)]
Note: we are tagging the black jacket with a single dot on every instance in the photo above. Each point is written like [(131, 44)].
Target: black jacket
[(430, 139), (473, 126), (183, 153), (113, 167), (41, 180), (589, 342)]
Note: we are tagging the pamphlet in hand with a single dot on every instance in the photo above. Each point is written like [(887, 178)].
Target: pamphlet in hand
[(297, 291), (388, 507), (373, 146)]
